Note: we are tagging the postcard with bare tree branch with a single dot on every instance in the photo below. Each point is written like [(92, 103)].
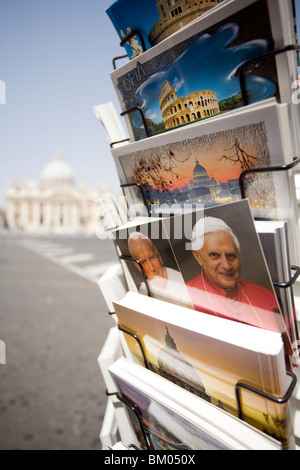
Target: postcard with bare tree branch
[(202, 164)]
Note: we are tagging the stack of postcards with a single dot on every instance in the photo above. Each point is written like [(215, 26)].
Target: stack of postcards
[(207, 330)]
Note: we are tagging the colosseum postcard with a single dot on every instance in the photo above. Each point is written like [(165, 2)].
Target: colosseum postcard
[(194, 74)]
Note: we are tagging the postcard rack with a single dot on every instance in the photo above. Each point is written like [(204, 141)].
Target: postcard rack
[(243, 72), (118, 58), (242, 179), (253, 62), (239, 385), (291, 282), (271, 169), (118, 142), (242, 184), (129, 36), (281, 285), (139, 109), (142, 191), (134, 408), (126, 39), (137, 412), (132, 260)]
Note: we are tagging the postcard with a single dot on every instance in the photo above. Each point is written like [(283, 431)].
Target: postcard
[(274, 240), (202, 164), (227, 278), (154, 20), (208, 356), (194, 74), (183, 423), (151, 267)]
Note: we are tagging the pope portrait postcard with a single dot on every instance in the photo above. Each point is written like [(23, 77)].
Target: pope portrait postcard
[(209, 261)]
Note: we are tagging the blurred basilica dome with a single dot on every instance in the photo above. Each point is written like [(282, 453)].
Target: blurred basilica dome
[(57, 172), (55, 204)]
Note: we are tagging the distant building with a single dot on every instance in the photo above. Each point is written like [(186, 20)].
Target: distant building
[(175, 14), (53, 205), (177, 111)]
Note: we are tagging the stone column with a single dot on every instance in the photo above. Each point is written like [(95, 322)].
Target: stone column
[(36, 215), (11, 214), (24, 215), (66, 216), (75, 216), (56, 218)]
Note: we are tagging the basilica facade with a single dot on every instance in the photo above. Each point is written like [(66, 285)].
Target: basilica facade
[(53, 205), (201, 189)]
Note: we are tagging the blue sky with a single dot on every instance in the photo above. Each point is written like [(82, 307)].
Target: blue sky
[(56, 59)]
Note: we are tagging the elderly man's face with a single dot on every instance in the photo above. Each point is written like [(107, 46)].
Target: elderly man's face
[(220, 259), (145, 252)]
